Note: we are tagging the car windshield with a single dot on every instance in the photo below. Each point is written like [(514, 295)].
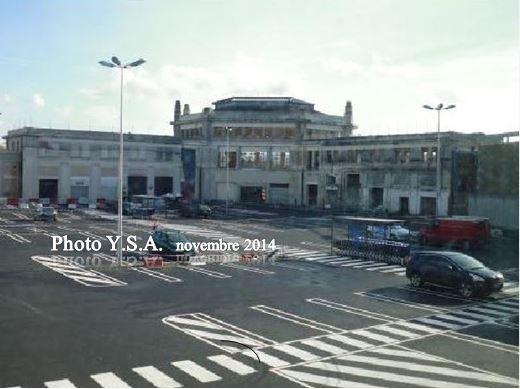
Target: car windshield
[(48, 211), (466, 262), (176, 236)]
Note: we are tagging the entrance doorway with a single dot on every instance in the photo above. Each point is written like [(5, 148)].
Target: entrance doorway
[(136, 185), (428, 206), (376, 197), (312, 195), (48, 189), (163, 185), (404, 206)]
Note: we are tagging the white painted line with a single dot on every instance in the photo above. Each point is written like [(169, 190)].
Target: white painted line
[(266, 358), (295, 352), (232, 364), (321, 381), (363, 266), (319, 259), (400, 269), (379, 338), (418, 327), (456, 319), (351, 342), (386, 376), (503, 308), (296, 319), (196, 371), (209, 273), (247, 268), (156, 377), (438, 323), (441, 370), (356, 263), (393, 330), (323, 346), (192, 322), (474, 315), (109, 380), (64, 383), (488, 311), (381, 266), (403, 353)]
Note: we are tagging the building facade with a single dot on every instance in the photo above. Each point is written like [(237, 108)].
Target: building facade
[(62, 164)]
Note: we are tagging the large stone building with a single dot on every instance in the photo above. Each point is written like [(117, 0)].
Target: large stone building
[(283, 151), (260, 143), (62, 164), (274, 150)]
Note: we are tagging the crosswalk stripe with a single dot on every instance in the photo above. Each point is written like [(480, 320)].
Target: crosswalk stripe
[(513, 304), (456, 319), (473, 315), (488, 311), (323, 346), (441, 370), (381, 266), (363, 266), (384, 375), (502, 308), (156, 377), (393, 330), (400, 269), (296, 352), (198, 372), (64, 383), (356, 263), (437, 323), (323, 381), (371, 335), (350, 341), (220, 336), (232, 364), (268, 359), (109, 380), (402, 353)]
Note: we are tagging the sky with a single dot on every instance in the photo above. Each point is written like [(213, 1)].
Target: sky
[(389, 57)]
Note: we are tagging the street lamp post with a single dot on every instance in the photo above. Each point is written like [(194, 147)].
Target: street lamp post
[(439, 108), (228, 130), (115, 63)]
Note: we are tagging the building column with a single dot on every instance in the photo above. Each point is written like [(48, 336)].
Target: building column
[(95, 184), (64, 182)]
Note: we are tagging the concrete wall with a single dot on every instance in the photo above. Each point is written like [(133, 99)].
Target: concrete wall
[(501, 210)]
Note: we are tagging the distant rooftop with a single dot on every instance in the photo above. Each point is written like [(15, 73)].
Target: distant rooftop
[(262, 104)]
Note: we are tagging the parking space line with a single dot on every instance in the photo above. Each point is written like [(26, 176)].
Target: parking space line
[(247, 268)]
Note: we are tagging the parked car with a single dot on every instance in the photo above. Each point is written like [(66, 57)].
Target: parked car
[(195, 210), (462, 231), (166, 242), (453, 270), (46, 214)]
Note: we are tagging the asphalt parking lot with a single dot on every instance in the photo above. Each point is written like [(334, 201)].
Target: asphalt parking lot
[(312, 319)]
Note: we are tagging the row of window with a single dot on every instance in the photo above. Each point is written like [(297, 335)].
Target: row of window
[(254, 133), (398, 155), (254, 159)]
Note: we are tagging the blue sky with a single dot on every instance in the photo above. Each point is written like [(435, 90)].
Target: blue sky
[(388, 56)]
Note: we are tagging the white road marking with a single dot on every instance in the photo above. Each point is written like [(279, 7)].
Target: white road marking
[(323, 381), (266, 358), (456, 319), (156, 377), (357, 263), (210, 273), (247, 268), (418, 327), (232, 364), (399, 269), (441, 370), (296, 352), (296, 319), (393, 330), (350, 341), (438, 323), (371, 335), (323, 346), (64, 383), (196, 371), (109, 380)]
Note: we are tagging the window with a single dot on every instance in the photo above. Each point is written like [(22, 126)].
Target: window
[(231, 162), (253, 159), (280, 159)]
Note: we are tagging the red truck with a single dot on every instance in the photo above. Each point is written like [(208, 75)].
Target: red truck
[(463, 231)]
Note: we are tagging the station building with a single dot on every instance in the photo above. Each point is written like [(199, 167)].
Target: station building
[(62, 164)]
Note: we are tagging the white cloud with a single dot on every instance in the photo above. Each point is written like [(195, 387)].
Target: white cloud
[(63, 111), (38, 101)]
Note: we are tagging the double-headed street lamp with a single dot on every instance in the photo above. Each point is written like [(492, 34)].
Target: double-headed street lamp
[(439, 108), (116, 63)]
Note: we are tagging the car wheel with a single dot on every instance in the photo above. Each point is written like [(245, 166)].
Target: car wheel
[(466, 289), (416, 280)]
